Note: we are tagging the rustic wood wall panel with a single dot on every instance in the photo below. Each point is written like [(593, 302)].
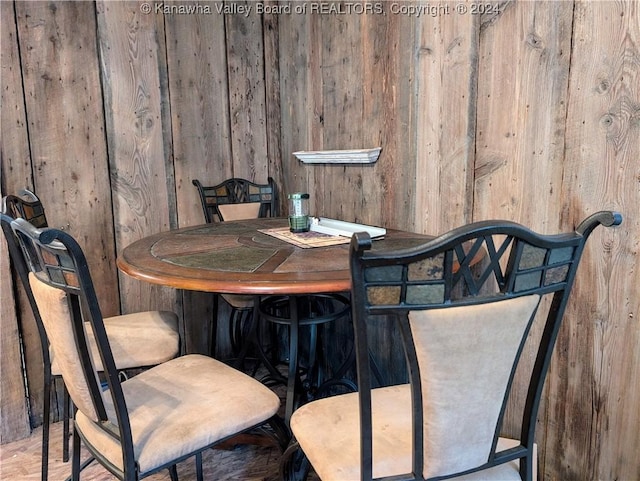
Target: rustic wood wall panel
[(595, 380), (328, 84), (139, 178), (522, 93), (196, 58), (298, 66), (447, 51), (247, 104), (386, 191), (272, 100), (14, 414), (337, 188), (61, 79), (60, 76), (15, 170)]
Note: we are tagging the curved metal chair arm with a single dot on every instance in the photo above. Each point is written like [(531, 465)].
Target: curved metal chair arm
[(605, 217)]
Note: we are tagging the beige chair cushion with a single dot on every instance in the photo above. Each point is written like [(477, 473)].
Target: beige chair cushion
[(56, 317), (239, 301), (466, 356), (181, 406), (328, 431), (247, 210), (137, 340)]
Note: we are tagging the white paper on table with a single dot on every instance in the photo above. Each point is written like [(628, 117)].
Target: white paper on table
[(344, 229)]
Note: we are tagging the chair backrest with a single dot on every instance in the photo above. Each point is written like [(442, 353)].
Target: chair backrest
[(63, 289), (463, 325), (236, 199), (32, 211)]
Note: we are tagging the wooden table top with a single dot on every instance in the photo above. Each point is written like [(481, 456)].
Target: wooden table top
[(235, 258)]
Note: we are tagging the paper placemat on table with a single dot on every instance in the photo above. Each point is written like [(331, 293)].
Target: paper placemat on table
[(305, 240)]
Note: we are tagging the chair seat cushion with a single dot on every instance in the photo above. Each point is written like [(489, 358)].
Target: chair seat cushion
[(182, 406), (140, 339), (328, 431), (239, 301)]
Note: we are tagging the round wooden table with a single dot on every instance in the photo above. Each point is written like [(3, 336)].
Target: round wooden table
[(237, 258)]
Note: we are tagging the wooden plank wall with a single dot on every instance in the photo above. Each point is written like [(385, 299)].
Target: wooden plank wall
[(14, 412), (526, 111)]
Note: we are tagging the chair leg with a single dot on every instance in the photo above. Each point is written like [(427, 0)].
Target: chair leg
[(199, 475), (292, 378), (46, 416), (66, 434), (173, 473), (75, 461), (294, 465)]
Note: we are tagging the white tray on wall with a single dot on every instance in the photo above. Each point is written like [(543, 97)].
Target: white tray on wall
[(357, 156)]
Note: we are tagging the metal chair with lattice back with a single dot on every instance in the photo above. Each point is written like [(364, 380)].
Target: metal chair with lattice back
[(464, 331), (138, 340)]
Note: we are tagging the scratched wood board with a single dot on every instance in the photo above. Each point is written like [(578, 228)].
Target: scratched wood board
[(69, 161)]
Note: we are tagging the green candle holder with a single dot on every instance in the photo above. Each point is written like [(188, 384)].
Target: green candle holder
[(298, 212)]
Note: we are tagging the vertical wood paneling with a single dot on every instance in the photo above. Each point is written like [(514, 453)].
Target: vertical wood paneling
[(342, 75), (297, 55), (338, 95), (271, 33), (14, 416), (15, 171), (199, 107), (66, 128), (388, 121), (593, 417), (247, 107), (446, 76), (521, 111), (129, 51)]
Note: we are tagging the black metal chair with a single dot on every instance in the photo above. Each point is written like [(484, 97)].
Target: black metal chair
[(154, 420), (463, 332), (138, 340)]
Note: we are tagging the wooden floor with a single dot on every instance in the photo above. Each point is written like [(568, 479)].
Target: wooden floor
[(20, 461)]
